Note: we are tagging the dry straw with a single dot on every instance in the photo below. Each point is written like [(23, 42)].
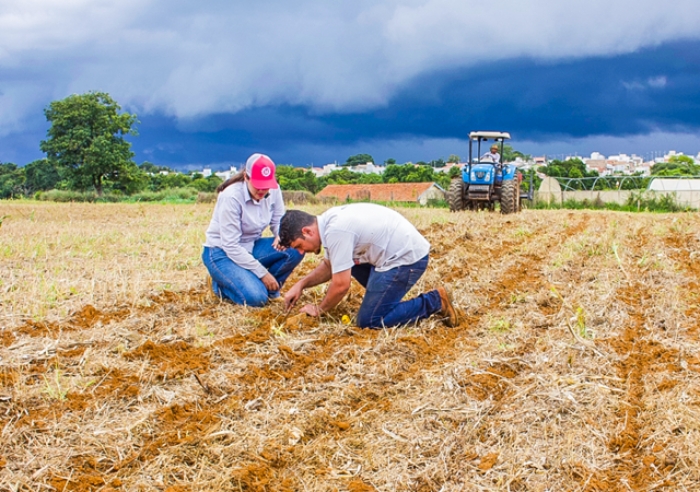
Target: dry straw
[(575, 367)]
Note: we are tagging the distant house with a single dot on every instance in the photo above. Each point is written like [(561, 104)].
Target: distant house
[(600, 165), (393, 192)]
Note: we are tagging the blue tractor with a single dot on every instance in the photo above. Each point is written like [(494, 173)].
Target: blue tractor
[(486, 180)]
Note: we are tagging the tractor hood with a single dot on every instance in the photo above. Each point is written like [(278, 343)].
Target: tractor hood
[(482, 174)]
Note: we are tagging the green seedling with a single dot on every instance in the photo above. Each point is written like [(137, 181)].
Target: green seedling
[(53, 388), (581, 324), (278, 330), (500, 325), (203, 331)]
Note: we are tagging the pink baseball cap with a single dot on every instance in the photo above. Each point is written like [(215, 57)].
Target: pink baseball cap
[(261, 171)]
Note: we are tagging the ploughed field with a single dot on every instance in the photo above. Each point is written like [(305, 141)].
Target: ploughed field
[(576, 365)]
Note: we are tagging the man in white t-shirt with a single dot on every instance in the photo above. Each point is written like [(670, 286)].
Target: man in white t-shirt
[(379, 248), (492, 156)]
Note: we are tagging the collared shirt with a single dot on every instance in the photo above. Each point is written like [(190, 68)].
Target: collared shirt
[(369, 233), (238, 221), (493, 157)]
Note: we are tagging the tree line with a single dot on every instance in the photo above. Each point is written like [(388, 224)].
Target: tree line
[(578, 177), (86, 150)]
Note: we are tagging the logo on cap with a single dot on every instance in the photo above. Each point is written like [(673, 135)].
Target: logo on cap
[(265, 171)]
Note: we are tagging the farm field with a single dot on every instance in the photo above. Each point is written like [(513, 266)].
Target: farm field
[(576, 366)]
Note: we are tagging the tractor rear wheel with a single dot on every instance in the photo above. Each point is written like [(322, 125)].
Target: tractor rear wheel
[(455, 195), (510, 196)]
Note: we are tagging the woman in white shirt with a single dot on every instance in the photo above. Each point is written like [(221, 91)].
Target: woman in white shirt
[(245, 267)]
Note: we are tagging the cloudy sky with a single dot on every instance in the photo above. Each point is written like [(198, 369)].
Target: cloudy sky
[(315, 81)]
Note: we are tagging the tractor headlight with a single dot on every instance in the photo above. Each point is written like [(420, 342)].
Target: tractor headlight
[(473, 176), (488, 176)]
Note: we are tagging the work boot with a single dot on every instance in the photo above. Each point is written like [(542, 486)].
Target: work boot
[(447, 310)]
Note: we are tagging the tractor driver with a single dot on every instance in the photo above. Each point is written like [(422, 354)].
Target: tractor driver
[(377, 246), (492, 156)]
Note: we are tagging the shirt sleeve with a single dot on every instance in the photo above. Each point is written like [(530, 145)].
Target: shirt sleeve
[(277, 209), (339, 248), (230, 223)]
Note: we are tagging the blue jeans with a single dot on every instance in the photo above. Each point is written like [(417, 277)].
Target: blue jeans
[(242, 286), (382, 306)]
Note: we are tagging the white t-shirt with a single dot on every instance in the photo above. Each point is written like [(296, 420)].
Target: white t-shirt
[(368, 233), (488, 156)]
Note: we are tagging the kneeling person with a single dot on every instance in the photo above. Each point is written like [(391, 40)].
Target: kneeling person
[(377, 246)]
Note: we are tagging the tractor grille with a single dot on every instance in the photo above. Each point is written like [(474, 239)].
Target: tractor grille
[(479, 192), (479, 188)]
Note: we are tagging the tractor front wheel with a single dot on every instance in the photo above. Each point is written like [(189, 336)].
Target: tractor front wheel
[(455, 195), (510, 196)]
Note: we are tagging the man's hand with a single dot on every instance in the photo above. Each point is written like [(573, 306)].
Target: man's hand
[(311, 310), (292, 296), (270, 282)]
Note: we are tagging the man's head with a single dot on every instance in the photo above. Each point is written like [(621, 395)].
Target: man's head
[(494, 148), (299, 230)]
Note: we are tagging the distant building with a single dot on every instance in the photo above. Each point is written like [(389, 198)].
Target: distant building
[(224, 175), (367, 168), (446, 168), (392, 192), (599, 165)]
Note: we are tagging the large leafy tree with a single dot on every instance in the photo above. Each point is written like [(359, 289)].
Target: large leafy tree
[(86, 138)]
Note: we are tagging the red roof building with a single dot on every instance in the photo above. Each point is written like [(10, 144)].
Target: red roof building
[(392, 192)]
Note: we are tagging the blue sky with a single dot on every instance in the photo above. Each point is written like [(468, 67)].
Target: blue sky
[(313, 81)]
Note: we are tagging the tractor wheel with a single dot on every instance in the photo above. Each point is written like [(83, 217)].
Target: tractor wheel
[(455, 195), (510, 196)]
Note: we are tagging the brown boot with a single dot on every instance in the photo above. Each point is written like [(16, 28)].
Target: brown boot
[(447, 310)]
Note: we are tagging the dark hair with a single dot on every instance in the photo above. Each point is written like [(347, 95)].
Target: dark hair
[(240, 176), (291, 225)]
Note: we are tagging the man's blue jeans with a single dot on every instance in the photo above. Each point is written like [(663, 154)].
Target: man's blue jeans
[(242, 286), (382, 306)]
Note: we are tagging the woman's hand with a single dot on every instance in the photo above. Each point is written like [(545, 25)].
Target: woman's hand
[(270, 282), (276, 244)]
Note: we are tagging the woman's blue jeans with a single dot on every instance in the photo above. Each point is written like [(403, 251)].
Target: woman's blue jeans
[(242, 286), (382, 306)]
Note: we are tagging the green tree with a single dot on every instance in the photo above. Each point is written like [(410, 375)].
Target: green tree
[(453, 158), (389, 161), (509, 154), (11, 180), (357, 159), (86, 138), (208, 184), (41, 175), (292, 178), (677, 165), (151, 168)]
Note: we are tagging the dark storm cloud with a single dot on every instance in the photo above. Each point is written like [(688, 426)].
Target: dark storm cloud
[(621, 95), (313, 77)]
